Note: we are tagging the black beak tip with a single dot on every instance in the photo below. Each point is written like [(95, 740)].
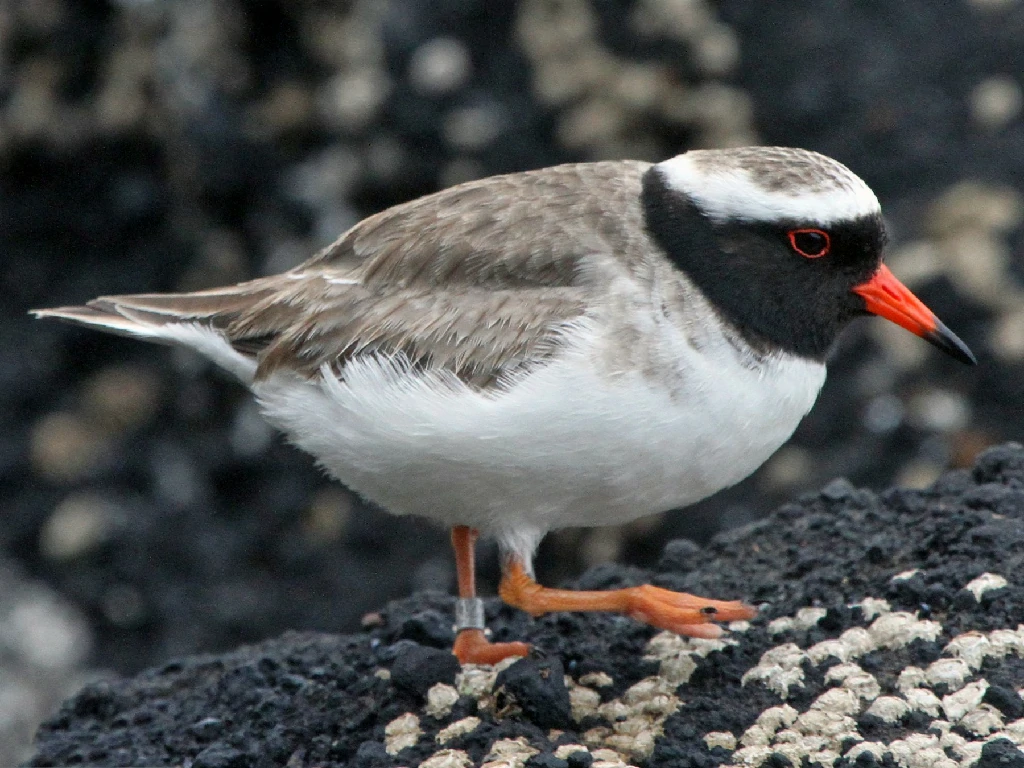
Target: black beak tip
[(950, 343)]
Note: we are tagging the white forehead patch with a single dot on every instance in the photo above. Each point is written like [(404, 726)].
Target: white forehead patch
[(770, 184)]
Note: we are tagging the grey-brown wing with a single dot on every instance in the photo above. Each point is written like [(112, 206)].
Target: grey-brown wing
[(521, 230), (479, 279), (478, 335)]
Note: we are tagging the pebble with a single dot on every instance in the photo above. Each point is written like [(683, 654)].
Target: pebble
[(546, 760), (418, 668), (1001, 753), (457, 729), (220, 756), (404, 731), (440, 700), (538, 687)]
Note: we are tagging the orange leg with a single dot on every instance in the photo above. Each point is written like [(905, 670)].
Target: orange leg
[(471, 643), (675, 611)]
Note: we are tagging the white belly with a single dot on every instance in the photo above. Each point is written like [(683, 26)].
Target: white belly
[(567, 445)]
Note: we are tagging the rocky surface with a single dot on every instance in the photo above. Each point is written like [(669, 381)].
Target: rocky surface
[(168, 146), (891, 633)]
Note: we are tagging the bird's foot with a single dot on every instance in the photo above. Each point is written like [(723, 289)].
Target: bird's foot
[(677, 612), (682, 613), (473, 647)]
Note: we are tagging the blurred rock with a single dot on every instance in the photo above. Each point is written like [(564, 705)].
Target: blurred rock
[(611, 105), (123, 606), (1008, 336), (79, 524), (288, 107), (351, 100), (66, 446), (993, 6), (884, 413), (939, 410), (122, 397), (251, 435), (328, 515), (996, 101), (919, 474), (602, 545), (440, 66), (973, 206), (788, 468)]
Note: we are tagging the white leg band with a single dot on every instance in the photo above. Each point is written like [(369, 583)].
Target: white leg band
[(469, 614)]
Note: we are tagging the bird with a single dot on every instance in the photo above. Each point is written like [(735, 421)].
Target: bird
[(578, 345)]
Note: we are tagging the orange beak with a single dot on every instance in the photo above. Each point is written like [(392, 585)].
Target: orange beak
[(887, 297)]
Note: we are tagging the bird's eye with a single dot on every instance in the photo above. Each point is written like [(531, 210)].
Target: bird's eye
[(810, 243)]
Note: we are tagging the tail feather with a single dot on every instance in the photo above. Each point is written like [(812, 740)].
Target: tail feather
[(197, 320), (93, 317), (218, 306)]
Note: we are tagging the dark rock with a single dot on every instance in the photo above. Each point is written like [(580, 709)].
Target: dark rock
[(999, 463), (1005, 700), (579, 759), (1000, 753), (838, 490), (418, 668), (207, 728), (836, 620), (372, 754), (221, 756), (680, 555), (546, 760), (428, 628), (538, 687)]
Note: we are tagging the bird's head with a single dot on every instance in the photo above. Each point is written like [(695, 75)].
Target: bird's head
[(787, 245)]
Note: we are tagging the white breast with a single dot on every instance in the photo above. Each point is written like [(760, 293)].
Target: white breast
[(566, 445)]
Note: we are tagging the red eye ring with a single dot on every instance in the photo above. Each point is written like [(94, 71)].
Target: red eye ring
[(810, 243)]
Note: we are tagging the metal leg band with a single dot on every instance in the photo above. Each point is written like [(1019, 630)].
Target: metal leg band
[(469, 614)]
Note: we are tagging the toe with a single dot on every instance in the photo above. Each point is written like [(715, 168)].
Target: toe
[(685, 614), (473, 647)]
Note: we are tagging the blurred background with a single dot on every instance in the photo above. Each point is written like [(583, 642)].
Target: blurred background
[(148, 512)]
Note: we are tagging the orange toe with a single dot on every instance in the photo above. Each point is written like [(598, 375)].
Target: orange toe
[(473, 647), (683, 613), (675, 611)]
